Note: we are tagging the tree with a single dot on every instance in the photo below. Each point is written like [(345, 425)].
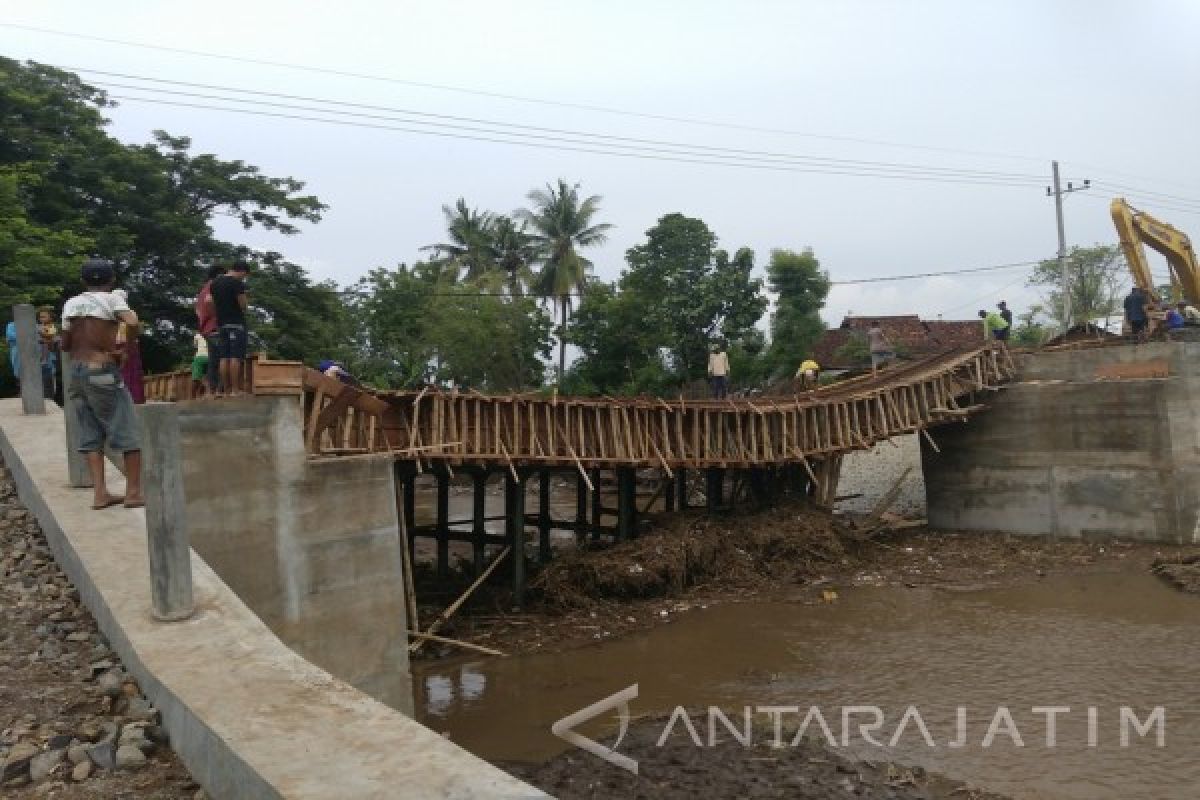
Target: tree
[(148, 207), (1028, 331), (619, 352), (561, 224), (1097, 277), (801, 288), (469, 247), (691, 291)]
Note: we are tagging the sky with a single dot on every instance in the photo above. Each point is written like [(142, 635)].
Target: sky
[(1000, 88)]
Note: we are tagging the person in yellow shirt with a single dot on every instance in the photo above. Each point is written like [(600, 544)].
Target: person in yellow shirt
[(809, 374)]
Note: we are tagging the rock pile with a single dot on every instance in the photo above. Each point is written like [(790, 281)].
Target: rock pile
[(70, 713)]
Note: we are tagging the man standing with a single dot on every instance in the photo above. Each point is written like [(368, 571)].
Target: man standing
[(1004, 312), (96, 394), (994, 325), (881, 348), (718, 372), (1135, 312), (206, 326), (229, 301)]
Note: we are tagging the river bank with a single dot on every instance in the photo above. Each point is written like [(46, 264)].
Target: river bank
[(792, 553)]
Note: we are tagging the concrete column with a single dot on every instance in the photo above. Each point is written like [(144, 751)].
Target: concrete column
[(166, 517), (78, 475), (33, 400)]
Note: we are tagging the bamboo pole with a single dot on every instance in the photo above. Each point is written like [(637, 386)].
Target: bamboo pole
[(462, 598)]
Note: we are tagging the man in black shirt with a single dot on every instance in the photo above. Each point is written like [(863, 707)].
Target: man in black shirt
[(227, 294)]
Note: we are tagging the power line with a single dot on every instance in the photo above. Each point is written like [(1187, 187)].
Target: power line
[(1172, 198), (595, 149), (512, 97), (965, 271), (635, 141)]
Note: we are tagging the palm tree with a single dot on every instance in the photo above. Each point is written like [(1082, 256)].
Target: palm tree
[(469, 250), (513, 251), (560, 224)]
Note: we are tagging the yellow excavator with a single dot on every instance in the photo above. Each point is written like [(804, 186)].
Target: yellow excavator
[(1137, 228)]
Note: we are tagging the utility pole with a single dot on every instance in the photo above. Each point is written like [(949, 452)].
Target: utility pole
[(1057, 192)]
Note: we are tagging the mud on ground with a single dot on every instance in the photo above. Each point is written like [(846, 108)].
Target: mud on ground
[(65, 701), (790, 553), (681, 770)]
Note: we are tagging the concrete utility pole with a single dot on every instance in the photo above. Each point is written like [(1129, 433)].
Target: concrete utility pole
[(33, 400), (1057, 191)]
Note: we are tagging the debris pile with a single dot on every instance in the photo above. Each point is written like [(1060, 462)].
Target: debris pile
[(1182, 572), (788, 544)]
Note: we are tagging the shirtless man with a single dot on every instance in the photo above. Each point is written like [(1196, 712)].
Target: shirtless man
[(96, 395)]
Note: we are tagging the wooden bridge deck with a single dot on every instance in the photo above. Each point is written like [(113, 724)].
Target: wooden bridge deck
[(433, 427)]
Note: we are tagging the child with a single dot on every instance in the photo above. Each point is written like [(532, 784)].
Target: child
[(199, 366), (49, 345)]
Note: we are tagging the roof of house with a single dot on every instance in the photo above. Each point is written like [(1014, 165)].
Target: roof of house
[(908, 332)]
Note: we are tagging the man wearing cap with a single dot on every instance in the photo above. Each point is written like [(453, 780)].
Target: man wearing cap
[(95, 392)]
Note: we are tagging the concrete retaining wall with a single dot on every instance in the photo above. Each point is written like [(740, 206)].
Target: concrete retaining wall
[(1064, 454), (248, 716)]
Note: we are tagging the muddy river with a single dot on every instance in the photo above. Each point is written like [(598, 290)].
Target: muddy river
[(966, 662)]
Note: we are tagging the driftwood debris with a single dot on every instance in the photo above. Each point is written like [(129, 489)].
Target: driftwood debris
[(462, 598)]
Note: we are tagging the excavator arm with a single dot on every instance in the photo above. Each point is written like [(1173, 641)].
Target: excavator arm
[(1137, 228)]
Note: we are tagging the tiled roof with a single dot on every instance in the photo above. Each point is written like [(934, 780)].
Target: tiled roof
[(907, 332)]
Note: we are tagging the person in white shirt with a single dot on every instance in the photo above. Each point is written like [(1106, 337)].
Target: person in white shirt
[(718, 372), (95, 391)]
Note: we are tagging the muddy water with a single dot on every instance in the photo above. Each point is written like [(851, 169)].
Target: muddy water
[(1104, 641)]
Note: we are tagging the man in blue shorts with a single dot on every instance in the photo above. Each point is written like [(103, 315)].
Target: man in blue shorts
[(229, 301)]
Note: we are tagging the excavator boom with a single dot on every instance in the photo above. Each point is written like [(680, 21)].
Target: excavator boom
[(1136, 229)]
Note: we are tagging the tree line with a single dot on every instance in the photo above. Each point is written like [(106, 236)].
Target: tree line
[(484, 307)]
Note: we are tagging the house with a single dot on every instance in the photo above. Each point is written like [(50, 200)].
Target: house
[(912, 336)]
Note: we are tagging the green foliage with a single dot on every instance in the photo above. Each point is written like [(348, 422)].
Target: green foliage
[(560, 225), (68, 190), (855, 351), (620, 353), (692, 292), (801, 288), (1097, 278), (1028, 332), (417, 326)]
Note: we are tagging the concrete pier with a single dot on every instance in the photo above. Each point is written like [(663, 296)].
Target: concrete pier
[(33, 400), (1072, 451), (166, 514)]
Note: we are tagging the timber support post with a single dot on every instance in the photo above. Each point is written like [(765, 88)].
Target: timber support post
[(714, 488), (681, 488), (543, 516), (597, 506), (581, 509), (514, 511), (668, 492), (626, 503), (478, 514), (409, 481), (441, 524)]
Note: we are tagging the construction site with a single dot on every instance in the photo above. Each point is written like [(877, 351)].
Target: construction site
[(662, 401)]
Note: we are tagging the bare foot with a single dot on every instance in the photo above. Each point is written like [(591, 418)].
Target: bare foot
[(135, 501), (106, 501)]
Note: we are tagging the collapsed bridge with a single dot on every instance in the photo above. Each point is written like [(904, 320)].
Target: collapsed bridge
[(757, 446)]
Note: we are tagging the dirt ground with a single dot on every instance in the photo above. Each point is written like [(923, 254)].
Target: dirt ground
[(681, 771), (790, 553), (64, 698)]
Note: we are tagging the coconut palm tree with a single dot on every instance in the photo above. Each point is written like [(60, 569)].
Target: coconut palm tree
[(560, 223), (469, 249), (513, 251)]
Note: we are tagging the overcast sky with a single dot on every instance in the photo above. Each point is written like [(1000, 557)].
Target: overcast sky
[(1108, 88)]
